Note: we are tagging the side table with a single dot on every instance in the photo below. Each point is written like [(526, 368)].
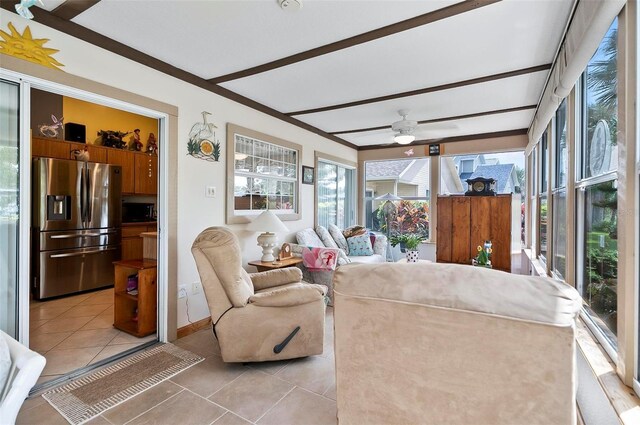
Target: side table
[(264, 266)]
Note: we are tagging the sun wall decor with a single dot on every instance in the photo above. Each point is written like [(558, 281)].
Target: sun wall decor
[(24, 46), (202, 141)]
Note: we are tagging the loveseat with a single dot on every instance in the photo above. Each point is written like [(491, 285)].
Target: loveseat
[(333, 237), (428, 343)]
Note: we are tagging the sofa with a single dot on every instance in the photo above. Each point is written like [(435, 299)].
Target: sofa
[(333, 237), (428, 343)]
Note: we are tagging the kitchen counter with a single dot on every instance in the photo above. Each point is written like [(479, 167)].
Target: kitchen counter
[(140, 223)]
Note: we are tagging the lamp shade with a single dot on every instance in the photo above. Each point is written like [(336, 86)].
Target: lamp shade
[(267, 222), (388, 197), (404, 139)]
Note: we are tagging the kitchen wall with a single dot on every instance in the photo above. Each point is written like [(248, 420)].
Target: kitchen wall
[(195, 211)]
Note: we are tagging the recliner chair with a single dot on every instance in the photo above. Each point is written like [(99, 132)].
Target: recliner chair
[(257, 317)]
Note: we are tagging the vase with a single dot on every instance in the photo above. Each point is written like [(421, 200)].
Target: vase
[(412, 256)]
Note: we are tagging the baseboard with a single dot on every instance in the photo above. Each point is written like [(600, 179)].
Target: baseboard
[(193, 327)]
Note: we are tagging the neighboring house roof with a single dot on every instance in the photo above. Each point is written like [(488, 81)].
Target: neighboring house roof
[(464, 176), (386, 169), (502, 173)]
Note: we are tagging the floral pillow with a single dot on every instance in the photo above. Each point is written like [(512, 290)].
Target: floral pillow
[(318, 259), (360, 246)]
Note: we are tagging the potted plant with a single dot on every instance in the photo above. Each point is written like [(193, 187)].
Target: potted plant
[(410, 242), (483, 259)]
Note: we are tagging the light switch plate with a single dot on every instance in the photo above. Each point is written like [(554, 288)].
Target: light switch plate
[(210, 192)]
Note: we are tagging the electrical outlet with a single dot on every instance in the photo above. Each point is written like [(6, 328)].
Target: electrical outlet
[(210, 192), (182, 291), (196, 288)]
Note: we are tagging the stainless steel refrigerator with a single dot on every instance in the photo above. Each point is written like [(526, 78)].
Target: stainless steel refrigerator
[(76, 220)]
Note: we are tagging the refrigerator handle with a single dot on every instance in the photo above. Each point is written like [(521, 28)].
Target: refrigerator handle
[(89, 199), (83, 201)]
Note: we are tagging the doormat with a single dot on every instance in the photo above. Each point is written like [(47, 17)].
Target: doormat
[(88, 397)]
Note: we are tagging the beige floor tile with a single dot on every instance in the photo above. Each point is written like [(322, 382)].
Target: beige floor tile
[(89, 338), (301, 407), (65, 361), (98, 420), (186, 407), (208, 376), (112, 350), (312, 373), (35, 324), (32, 402), (98, 299), (84, 310), (99, 322), (269, 367), (46, 312), (141, 403), (64, 325), (41, 414), (202, 343), (45, 342), (252, 394), (231, 419), (108, 312), (331, 391), (125, 338)]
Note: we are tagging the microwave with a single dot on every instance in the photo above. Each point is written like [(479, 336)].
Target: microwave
[(138, 211)]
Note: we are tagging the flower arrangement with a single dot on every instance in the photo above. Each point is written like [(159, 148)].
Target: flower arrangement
[(483, 259)]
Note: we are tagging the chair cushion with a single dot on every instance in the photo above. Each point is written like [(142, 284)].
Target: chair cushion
[(368, 259), (339, 238), (360, 245), (5, 364), (308, 237)]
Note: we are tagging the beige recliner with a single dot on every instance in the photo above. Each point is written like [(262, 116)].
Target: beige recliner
[(428, 343), (261, 316)]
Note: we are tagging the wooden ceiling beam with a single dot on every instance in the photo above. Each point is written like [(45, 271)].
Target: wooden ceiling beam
[(425, 90), (508, 133), (407, 24), (72, 8), (435, 120), (78, 31)]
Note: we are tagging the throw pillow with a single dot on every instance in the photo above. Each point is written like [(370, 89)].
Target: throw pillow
[(328, 241), (356, 230), (360, 246), (339, 238), (308, 237), (5, 364)]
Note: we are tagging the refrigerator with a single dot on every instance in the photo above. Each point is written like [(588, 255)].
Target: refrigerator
[(76, 226)]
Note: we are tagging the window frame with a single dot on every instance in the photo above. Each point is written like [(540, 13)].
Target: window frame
[(558, 191), (330, 159), (542, 193), (232, 217)]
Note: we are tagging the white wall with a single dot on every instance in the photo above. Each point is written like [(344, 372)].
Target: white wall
[(195, 212)]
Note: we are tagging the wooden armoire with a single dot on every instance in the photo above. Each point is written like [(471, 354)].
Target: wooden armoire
[(464, 222)]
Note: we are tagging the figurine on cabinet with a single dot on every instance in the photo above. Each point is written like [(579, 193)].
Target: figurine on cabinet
[(152, 144), (136, 144)]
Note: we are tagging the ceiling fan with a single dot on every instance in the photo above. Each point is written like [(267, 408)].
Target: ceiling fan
[(404, 128)]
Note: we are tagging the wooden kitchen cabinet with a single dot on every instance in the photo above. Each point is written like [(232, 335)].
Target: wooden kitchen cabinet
[(132, 242), (96, 153), (146, 174), (136, 313), (464, 222), (49, 148), (126, 160)]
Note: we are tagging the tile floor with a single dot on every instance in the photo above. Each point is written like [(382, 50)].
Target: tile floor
[(76, 331), (300, 391)]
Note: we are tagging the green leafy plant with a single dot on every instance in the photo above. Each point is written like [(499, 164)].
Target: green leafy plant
[(193, 147), (410, 240), (216, 151), (410, 217)]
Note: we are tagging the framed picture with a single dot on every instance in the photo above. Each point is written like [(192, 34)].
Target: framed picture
[(307, 175)]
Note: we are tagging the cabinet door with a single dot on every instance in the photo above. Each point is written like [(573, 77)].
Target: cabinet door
[(50, 148), (460, 233), (443, 247), (146, 175), (96, 153), (125, 160), (480, 222), (501, 232)]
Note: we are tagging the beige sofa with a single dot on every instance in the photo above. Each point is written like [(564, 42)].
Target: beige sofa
[(257, 317), (427, 343)]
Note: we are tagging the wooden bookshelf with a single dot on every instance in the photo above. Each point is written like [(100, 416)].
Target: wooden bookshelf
[(143, 306)]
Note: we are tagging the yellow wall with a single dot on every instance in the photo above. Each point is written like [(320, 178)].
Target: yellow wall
[(98, 117)]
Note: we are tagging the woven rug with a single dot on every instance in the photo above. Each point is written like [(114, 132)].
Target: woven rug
[(87, 397)]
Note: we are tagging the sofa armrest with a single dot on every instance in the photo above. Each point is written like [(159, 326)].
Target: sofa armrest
[(276, 277), (299, 294)]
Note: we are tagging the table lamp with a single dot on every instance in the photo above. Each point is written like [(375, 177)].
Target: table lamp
[(268, 223)]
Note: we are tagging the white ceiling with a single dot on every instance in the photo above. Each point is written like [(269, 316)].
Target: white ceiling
[(215, 38)]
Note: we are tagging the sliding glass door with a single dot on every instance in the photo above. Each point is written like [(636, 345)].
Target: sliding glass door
[(335, 194), (9, 204)]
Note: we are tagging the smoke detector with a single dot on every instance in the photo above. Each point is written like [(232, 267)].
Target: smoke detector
[(291, 5)]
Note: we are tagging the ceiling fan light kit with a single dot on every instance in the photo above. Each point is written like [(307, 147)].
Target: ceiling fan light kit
[(404, 139)]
